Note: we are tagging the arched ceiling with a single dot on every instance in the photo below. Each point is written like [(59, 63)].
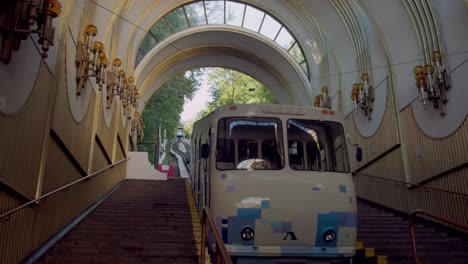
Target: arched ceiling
[(340, 39), (287, 80)]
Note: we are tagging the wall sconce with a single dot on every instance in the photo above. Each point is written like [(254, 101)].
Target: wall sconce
[(90, 59), (317, 100), (101, 70), (16, 18), (137, 126), (113, 81), (130, 96), (433, 83), (325, 99), (121, 83), (362, 96)]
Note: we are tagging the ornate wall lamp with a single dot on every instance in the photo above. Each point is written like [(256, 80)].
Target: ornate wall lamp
[(317, 100), (90, 59), (137, 126), (113, 81), (433, 82), (16, 19), (131, 97), (362, 96), (323, 100)]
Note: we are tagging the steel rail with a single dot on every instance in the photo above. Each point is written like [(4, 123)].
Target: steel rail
[(412, 184)]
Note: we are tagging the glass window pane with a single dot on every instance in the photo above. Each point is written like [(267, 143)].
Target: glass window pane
[(271, 155), (148, 43), (270, 27), (196, 14), (325, 145), (215, 12), (296, 52), (225, 154), (234, 13), (161, 30), (304, 67), (177, 20), (249, 135), (140, 56), (285, 39), (253, 18), (248, 149), (296, 155)]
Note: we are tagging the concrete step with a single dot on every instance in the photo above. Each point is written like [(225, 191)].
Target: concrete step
[(142, 222), (389, 235)]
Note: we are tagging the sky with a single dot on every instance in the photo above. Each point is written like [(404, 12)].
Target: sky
[(201, 97)]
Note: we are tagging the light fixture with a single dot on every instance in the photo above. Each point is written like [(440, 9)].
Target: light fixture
[(432, 82), (325, 99), (137, 126), (101, 71), (16, 19), (130, 96), (90, 59), (362, 96), (113, 79), (317, 100)]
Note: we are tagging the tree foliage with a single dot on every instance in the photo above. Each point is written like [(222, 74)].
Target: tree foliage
[(233, 87), (163, 109)]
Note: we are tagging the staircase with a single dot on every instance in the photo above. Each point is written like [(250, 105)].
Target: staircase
[(389, 235), (142, 222)]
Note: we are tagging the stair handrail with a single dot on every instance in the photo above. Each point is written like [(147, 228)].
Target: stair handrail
[(412, 184), (412, 220), (221, 252), (66, 186)]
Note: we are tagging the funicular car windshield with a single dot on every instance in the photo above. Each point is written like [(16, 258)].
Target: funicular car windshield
[(249, 143)]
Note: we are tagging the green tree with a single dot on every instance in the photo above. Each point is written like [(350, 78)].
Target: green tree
[(163, 109), (233, 87)]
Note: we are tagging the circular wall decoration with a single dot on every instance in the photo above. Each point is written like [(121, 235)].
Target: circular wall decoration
[(367, 127), (431, 122), (19, 78), (78, 103)]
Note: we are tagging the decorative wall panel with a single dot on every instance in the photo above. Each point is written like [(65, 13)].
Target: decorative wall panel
[(21, 138)]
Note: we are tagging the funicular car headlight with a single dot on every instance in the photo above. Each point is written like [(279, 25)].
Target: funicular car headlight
[(247, 234), (329, 235)]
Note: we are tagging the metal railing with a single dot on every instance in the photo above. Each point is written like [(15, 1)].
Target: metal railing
[(42, 197), (411, 184), (221, 254), (412, 220), (444, 197)]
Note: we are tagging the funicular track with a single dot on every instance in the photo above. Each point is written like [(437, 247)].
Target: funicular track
[(182, 149)]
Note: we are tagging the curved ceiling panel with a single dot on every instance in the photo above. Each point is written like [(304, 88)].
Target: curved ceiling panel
[(219, 60), (222, 12), (228, 42)]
